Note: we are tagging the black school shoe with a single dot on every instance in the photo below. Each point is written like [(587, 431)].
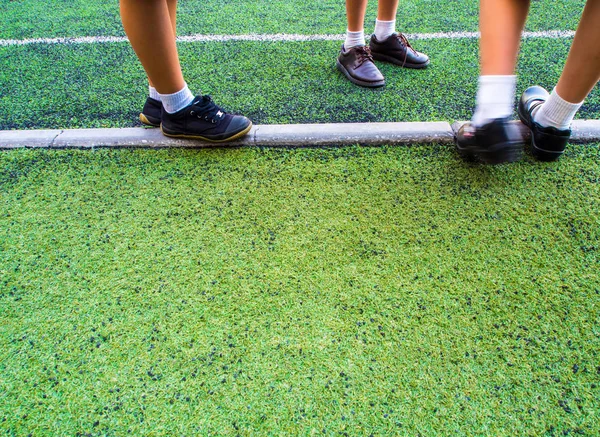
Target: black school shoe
[(203, 120), (547, 143), (397, 50), (496, 142), (150, 115)]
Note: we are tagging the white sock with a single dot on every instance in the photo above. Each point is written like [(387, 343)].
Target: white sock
[(495, 98), (556, 112), (177, 101), (383, 29), (152, 93), (354, 39)]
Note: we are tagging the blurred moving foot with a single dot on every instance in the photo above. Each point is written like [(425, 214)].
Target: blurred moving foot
[(204, 120), (495, 142), (547, 143)]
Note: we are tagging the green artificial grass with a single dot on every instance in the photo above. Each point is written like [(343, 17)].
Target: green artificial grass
[(73, 18), (353, 291), (103, 85), (50, 86)]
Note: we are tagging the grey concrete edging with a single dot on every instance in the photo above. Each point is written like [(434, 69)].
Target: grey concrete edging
[(290, 135)]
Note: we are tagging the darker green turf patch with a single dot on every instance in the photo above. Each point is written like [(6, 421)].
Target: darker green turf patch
[(73, 18), (354, 291), (104, 86)]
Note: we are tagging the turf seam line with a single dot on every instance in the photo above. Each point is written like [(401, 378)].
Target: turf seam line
[(277, 37)]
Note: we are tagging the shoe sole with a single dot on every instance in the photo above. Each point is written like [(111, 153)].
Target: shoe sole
[(357, 81), (149, 121), (467, 154), (538, 153), (391, 60), (504, 153), (200, 137)]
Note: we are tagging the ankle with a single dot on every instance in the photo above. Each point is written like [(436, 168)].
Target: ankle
[(152, 93), (177, 101), (556, 112), (383, 29), (354, 39), (495, 98)]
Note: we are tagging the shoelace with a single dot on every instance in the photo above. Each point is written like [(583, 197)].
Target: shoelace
[(404, 41), (363, 54), (205, 109)]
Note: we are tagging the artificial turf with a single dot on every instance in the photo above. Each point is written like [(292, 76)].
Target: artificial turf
[(74, 18), (353, 291), (103, 85)]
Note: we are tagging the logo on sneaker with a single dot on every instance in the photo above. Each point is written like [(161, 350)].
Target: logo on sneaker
[(220, 114)]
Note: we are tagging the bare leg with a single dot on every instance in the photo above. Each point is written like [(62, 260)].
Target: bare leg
[(148, 26), (501, 23), (356, 11), (386, 10), (172, 4), (582, 70), (490, 136)]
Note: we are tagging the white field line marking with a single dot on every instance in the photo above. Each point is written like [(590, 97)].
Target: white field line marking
[(267, 38)]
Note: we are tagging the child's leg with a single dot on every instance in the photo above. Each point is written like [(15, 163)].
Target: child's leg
[(148, 26), (355, 60), (172, 5), (549, 116), (385, 24), (394, 49), (490, 136), (580, 75), (355, 12), (386, 10), (501, 23), (582, 70)]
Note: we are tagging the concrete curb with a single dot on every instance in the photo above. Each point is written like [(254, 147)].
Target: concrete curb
[(291, 135)]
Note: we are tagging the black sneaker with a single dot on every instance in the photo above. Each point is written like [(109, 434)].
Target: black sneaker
[(150, 115), (547, 143), (493, 143), (203, 120)]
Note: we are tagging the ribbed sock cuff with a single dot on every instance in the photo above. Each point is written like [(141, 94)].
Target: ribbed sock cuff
[(383, 29), (354, 39), (495, 98), (152, 93), (556, 112), (177, 101)]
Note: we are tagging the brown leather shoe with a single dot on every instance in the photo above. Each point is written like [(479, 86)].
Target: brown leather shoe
[(357, 65), (397, 50)]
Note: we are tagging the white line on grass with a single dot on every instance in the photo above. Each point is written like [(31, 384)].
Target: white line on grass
[(267, 37)]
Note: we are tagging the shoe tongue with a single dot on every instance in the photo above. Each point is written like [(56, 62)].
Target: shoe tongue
[(206, 104), (202, 101)]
